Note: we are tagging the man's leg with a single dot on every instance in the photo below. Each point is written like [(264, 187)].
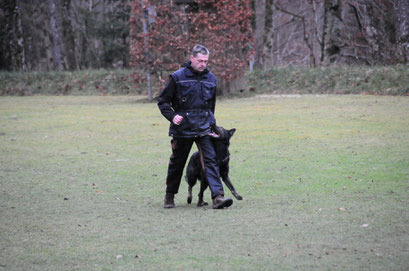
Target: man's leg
[(180, 152), (208, 154)]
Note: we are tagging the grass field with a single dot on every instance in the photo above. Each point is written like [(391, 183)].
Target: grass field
[(325, 181)]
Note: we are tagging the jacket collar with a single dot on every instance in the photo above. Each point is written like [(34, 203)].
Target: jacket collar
[(190, 72)]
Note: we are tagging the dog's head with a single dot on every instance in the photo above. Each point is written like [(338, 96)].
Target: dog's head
[(222, 142), (223, 134)]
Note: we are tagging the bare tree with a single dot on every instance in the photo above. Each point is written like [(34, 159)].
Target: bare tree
[(362, 31), (306, 32), (324, 32), (77, 34)]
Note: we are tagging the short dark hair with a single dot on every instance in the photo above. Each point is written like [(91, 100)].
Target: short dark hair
[(199, 49)]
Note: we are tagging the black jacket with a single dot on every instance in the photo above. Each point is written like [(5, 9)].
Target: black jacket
[(192, 95)]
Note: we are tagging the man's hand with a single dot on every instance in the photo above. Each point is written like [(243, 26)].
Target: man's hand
[(177, 119)]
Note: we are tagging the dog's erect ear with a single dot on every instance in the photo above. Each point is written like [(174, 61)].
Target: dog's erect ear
[(232, 131)]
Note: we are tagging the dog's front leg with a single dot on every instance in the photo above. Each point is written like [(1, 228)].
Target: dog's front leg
[(224, 171), (228, 183)]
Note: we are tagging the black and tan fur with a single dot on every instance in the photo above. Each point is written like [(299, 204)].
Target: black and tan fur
[(195, 167)]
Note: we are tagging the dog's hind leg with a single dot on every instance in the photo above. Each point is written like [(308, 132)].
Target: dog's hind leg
[(203, 186), (192, 174), (189, 195)]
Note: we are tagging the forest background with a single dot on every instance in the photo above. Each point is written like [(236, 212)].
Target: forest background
[(146, 39)]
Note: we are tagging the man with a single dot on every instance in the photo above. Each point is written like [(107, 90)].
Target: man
[(188, 102)]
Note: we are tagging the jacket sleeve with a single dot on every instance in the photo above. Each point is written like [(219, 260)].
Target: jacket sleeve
[(214, 102), (165, 100)]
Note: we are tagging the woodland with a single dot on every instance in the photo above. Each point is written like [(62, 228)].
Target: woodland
[(153, 37)]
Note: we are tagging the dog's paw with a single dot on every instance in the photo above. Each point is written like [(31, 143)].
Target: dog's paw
[(189, 200), (237, 196), (202, 203)]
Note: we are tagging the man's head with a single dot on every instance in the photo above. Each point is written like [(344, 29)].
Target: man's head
[(199, 57)]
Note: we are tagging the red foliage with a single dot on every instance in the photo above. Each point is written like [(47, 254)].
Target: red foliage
[(223, 26)]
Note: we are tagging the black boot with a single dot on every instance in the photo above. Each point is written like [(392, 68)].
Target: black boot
[(219, 202), (169, 200)]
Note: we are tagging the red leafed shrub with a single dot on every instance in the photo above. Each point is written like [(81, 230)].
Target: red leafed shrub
[(163, 34)]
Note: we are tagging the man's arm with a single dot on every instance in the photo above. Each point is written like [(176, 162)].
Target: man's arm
[(165, 100), (214, 102)]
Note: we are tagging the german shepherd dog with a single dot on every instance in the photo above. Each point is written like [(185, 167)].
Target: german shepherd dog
[(195, 168)]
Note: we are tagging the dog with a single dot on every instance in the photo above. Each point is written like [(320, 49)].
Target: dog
[(194, 171)]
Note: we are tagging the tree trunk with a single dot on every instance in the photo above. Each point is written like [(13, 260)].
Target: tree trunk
[(10, 41), (21, 55), (145, 22), (14, 54), (322, 41), (69, 36), (268, 36), (403, 27), (56, 37), (259, 33)]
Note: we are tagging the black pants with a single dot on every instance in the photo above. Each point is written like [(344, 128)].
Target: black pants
[(180, 151)]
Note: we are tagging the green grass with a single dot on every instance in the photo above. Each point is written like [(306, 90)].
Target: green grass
[(325, 181)]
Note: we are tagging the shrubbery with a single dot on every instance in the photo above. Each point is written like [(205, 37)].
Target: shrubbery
[(379, 80), (88, 82)]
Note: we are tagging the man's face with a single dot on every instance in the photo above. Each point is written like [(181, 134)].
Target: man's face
[(199, 62)]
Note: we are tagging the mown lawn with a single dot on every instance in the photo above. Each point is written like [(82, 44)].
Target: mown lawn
[(325, 181)]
